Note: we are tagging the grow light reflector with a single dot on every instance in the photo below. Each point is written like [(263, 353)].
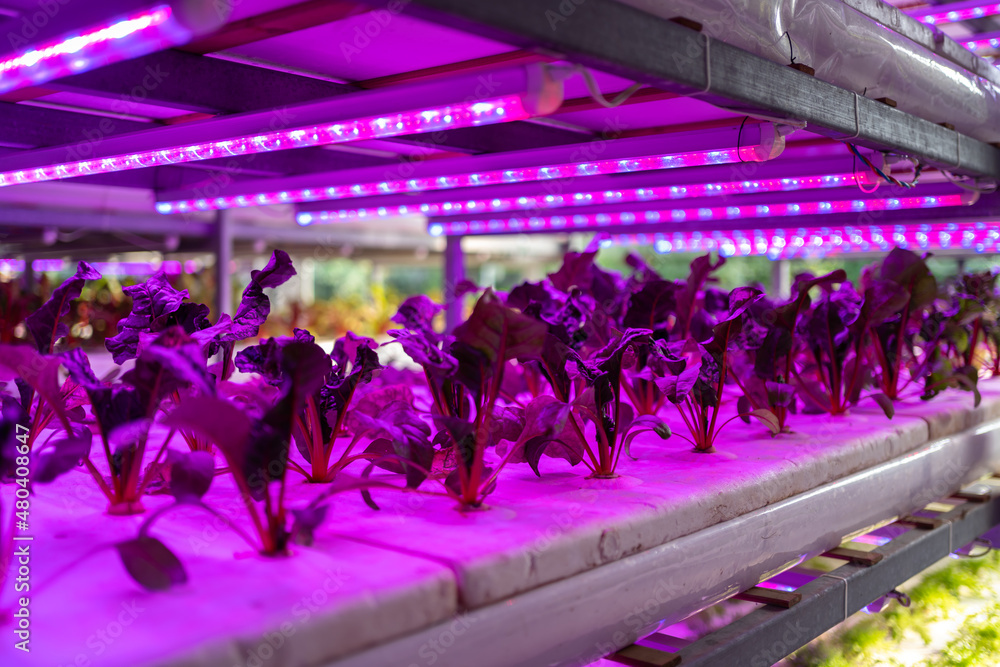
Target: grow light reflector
[(597, 220), (466, 180), (573, 199), (129, 36), (788, 243), (958, 12), (468, 114)]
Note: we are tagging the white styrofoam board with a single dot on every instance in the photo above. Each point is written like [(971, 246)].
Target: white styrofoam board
[(575, 621), (332, 599)]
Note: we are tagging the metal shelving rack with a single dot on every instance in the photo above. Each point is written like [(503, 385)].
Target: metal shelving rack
[(787, 621), (673, 58)]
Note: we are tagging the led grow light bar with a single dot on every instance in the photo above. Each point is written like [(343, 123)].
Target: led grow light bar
[(558, 223), (170, 267), (759, 143), (129, 34), (963, 11), (573, 199), (469, 180), (486, 112), (985, 41), (787, 243)]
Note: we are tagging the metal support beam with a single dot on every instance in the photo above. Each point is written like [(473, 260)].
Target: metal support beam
[(759, 637), (781, 279), (28, 276), (17, 218), (454, 273), (630, 43), (25, 126), (197, 83), (223, 247), (362, 104)]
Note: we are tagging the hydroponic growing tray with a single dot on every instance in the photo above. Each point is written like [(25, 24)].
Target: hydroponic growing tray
[(561, 570)]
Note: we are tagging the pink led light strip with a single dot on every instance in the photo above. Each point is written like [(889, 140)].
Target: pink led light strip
[(170, 267), (597, 220), (786, 243), (134, 34), (467, 180), (982, 43), (964, 14), (498, 110), (540, 201)]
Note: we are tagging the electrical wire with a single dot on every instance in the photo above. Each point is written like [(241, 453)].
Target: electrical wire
[(598, 96), (885, 177), (957, 181), (563, 72)]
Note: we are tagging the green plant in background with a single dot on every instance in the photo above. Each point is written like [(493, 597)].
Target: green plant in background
[(977, 644), (874, 641)]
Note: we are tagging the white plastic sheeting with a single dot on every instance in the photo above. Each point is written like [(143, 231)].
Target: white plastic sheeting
[(850, 50)]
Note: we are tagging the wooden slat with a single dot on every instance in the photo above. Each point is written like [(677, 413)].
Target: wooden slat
[(644, 656), (973, 496), (854, 555), (921, 522), (776, 598)]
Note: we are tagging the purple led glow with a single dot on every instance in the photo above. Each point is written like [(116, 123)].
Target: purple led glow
[(128, 37), (962, 14), (787, 243), (170, 267), (538, 202), (598, 220), (982, 44), (467, 180), (497, 110)]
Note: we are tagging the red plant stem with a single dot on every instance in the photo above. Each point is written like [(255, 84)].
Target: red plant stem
[(718, 393), (884, 363), (857, 370), (108, 493), (156, 460), (971, 352), (265, 536), (899, 348)]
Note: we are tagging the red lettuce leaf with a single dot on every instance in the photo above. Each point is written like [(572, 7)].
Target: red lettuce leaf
[(45, 324)]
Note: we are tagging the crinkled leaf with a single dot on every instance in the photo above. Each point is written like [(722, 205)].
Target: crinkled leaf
[(255, 306), (154, 299), (45, 324), (151, 563)]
